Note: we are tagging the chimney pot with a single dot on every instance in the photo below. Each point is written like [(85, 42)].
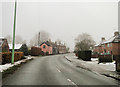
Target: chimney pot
[(116, 33)]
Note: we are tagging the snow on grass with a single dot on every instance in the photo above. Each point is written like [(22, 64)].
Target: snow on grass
[(9, 65)]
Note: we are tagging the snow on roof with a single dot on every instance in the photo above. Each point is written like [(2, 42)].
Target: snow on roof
[(2, 37), (108, 41), (17, 46)]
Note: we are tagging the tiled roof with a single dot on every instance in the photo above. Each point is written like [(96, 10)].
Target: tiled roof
[(47, 43), (112, 39)]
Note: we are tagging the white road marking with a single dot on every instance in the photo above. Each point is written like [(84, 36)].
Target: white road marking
[(72, 82), (58, 70)]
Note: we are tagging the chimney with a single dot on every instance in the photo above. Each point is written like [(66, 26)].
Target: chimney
[(116, 33), (103, 39), (55, 43)]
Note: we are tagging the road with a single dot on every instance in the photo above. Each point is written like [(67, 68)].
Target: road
[(55, 70)]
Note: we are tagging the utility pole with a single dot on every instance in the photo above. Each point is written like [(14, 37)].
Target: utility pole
[(14, 26), (38, 38)]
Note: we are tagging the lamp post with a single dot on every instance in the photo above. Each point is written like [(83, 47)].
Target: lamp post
[(14, 26)]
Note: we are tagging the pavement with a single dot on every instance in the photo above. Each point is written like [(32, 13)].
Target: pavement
[(107, 69), (56, 70)]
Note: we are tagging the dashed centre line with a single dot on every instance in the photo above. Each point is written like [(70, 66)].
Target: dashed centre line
[(72, 82), (58, 70)]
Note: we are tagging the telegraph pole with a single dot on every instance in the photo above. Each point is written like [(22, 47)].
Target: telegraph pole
[(14, 26)]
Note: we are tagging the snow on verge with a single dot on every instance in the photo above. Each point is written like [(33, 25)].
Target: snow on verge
[(9, 65)]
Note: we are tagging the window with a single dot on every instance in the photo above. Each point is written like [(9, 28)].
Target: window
[(111, 44), (108, 45), (108, 52), (44, 46)]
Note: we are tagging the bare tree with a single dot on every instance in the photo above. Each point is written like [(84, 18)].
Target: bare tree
[(84, 42), (59, 42), (9, 39), (44, 36), (18, 39)]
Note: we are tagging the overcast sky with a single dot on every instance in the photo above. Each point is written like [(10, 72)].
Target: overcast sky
[(64, 20)]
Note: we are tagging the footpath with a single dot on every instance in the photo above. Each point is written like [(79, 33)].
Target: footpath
[(107, 69)]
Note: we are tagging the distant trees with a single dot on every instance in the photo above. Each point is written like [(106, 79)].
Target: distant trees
[(9, 39), (18, 39), (84, 42), (44, 36)]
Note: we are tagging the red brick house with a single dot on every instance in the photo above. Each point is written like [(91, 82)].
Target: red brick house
[(110, 46), (4, 45), (46, 47), (62, 49)]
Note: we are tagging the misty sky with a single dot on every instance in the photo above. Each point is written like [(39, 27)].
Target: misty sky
[(63, 20)]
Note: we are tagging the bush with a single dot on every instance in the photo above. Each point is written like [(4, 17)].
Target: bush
[(105, 58), (24, 49), (118, 63), (35, 51), (7, 56), (84, 55)]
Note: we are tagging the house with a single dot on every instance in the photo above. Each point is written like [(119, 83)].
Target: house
[(110, 46), (16, 48), (4, 45), (62, 49), (46, 47), (54, 47)]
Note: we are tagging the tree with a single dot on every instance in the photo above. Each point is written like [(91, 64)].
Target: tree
[(24, 49), (18, 39), (44, 36), (84, 42), (9, 39)]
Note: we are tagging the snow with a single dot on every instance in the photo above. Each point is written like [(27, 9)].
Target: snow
[(9, 65), (17, 46), (93, 64)]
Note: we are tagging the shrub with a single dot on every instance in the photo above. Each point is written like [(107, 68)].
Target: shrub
[(7, 56), (105, 58), (84, 55), (24, 49), (35, 51)]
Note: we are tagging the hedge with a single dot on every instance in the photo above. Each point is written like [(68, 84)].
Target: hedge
[(35, 51), (118, 63), (7, 56), (105, 58), (84, 55)]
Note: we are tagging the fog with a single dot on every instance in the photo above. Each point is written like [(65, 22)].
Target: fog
[(63, 20)]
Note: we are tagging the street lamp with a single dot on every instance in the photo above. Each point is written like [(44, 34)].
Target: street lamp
[(14, 26)]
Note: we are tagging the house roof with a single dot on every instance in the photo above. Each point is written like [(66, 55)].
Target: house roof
[(2, 40), (112, 39), (17, 46), (47, 43)]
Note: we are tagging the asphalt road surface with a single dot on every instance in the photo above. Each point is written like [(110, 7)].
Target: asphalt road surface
[(55, 70)]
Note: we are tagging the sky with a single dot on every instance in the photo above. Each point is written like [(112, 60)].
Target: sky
[(63, 19)]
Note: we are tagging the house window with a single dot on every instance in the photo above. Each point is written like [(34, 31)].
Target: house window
[(108, 52), (108, 45), (111, 44), (44, 46)]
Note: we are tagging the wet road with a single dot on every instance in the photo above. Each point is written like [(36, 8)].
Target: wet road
[(55, 70)]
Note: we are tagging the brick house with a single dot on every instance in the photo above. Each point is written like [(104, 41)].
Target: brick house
[(62, 49), (46, 47), (110, 46), (4, 45)]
